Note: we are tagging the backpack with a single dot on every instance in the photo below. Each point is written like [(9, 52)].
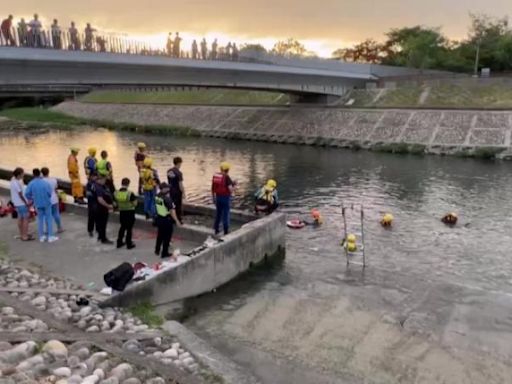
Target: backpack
[(119, 277)]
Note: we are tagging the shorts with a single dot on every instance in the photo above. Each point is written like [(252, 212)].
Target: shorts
[(23, 212)]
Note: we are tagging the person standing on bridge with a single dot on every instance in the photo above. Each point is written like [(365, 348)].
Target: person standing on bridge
[(215, 45), (23, 32), (6, 29), (194, 50), (222, 190), (56, 35), (74, 40), (235, 54), (204, 49), (169, 44), (104, 169), (176, 46), (89, 37), (35, 32), (77, 190)]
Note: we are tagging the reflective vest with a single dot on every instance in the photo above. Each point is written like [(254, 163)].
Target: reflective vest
[(87, 166), (265, 194), (102, 167), (123, 200), (219, 186), (148, 180), (161, 209)]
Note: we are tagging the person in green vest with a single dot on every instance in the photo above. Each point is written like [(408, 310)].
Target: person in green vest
[(104, 169), (165, 220), (126, 202)]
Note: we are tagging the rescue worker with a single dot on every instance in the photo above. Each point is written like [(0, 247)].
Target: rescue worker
[(165, 219), (104, 169), (92, 202), (105, 204), (126, 204), (450, 218), (77, 190), (175, 179), (222, 189), (267, 199), (139, 158), (90, 162), (149, 183)]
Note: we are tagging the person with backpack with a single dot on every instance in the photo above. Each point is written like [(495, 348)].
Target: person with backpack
[(150, 182), (126, 204), (266, 197), (165, 219)]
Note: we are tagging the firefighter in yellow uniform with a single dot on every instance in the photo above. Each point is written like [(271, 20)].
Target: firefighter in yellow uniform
[(77, 190)]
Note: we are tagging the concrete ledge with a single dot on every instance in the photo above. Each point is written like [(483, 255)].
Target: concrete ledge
[(219, 364), (254, 243)]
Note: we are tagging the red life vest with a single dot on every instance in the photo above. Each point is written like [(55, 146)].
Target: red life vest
[(219, 187)]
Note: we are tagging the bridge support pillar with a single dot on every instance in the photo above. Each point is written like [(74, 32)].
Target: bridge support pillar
[(313, 98)]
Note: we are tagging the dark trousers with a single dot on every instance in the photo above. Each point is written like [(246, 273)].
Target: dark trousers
[(127, 220), (101, 223), (223, 205), (91, 219), (165, 227), (177, 199)]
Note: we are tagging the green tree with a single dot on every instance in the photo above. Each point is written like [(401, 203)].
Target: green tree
[(368, 51), (289, 47), (255, 48)]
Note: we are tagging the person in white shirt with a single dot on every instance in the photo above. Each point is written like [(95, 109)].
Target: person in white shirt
[(35, 31), (20, 203), (54, 199), (56, 35)]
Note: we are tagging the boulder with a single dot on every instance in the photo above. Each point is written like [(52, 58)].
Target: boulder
[(56, 349)]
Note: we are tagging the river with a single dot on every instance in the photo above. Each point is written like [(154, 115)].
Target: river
[(418, 251)]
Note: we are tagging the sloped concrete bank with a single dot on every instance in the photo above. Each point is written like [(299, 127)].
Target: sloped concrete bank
[(485, 134)]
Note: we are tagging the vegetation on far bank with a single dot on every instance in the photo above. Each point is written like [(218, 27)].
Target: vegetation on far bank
[(188, 96), (34, 116)]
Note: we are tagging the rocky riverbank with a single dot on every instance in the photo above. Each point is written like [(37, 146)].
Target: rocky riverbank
[(483, 134), (54, 332)]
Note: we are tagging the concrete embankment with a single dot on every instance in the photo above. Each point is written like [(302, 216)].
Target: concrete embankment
[(484, 134)]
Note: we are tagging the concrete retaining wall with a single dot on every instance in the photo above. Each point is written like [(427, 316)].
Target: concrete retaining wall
[(476, 133), (215, 266)]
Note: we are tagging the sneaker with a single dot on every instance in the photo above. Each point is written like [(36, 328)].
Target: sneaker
[(53, 239), (91, 234), (42, 239), (120, 245), (107, 241), (157, 252), (130, 246), (60, 230)]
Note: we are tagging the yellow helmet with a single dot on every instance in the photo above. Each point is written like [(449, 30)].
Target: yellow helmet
[(271, 184), (92, 151), (453, 214), (141, 145), (225, 166), (351, 238), (148, 162), (75, 149), (387, 218), (351, 247)]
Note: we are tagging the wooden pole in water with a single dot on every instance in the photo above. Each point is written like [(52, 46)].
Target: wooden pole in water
[(343, 211)]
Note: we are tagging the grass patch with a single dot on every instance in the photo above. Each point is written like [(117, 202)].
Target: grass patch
[(146, 313), (486, 152), (41, 115), (189, 97)]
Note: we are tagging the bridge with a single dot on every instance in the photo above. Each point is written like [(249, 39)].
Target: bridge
[(47, 70)]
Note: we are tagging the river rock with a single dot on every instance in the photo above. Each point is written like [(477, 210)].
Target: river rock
[(176, 346), (132, 380), (140, 328), (105, 326), (62, 372), (19, 329), (110, 380), (184, 356), (171, 353), (82, 353), (85, 311), (93, 328), (100, 373), (73, 362), (62, 381), (4, 346), (188, 361), (82, 324), (92, 379), (18, 353), (132, 346), (75, 379), (39, 301), (7, 311), (156, 380), (56, 349), (122, 371)]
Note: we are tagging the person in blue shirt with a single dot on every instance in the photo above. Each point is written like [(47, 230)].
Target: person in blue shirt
[(39, 192)]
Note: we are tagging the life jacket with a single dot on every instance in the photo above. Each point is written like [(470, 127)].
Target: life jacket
[(266, 195), (102, 167), (123, 200), (87, 166), (219, 186), (148, 180), (161, 209)]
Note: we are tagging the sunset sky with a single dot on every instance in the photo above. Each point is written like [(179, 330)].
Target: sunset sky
[(323, 25)]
